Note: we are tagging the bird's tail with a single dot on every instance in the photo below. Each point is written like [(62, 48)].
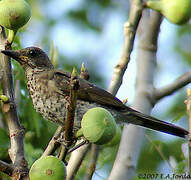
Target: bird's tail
[(141, 119)]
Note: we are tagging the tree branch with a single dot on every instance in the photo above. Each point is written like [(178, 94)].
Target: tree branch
[(158, 149), (16, 152), (6, 168), (132, 136), (53, 144), (188, 107), (78, 155), (75, 160), (130, 28), (74, 86), (92, 162), (69, 122), (171, 88)]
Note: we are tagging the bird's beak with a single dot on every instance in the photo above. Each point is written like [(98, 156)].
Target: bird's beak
[(13, 54), (16, 55)]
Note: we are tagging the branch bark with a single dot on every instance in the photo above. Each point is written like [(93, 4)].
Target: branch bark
[(78, 155), (6, 168), (171, 88), (188, 107), (75, 161), (92, 162), (132, 137), (53, 144), (16, 151), (74, 85), (69, 122), (130, 28)]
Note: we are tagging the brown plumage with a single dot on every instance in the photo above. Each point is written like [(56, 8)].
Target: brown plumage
[(49, 88)]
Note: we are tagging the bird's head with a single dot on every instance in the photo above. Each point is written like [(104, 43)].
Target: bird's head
[(31, 57)]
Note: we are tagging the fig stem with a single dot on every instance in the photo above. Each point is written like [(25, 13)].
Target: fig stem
[(11, 35), (79, 133), (156, 5)]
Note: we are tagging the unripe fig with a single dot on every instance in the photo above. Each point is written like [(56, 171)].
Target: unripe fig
[(49, 168), (98, 125), (176, 11), (14, 13), (116, 139)]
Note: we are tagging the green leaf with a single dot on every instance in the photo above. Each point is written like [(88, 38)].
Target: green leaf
[(4, 144), (4, 176)]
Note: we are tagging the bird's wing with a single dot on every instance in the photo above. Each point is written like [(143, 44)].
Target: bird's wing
[(92, 93), (87, 91)]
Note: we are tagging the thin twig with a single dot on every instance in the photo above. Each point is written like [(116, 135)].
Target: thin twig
[(16, 151), (78, 155), (188, 107), (74, 86), (130, 28), (69, 123), (92, 162), (76, 160), (6, 168), (180, 82), (84, 73), (53, 144), (159, 151), (78, 146)]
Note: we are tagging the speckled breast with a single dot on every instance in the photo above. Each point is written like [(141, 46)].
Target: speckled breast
[(52, 104), (45, 100)]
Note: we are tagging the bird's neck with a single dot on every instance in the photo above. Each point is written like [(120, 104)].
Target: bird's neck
[(30, 71), (33, 74), (35, 71)]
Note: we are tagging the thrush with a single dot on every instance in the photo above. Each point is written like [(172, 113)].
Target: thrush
[(49, 90)]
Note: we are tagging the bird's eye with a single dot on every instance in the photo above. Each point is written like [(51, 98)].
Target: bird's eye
[(32, 52)]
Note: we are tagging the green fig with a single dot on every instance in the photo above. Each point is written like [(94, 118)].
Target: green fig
[(49, 168), (98, 126), (176, 11), (13, 15), (116, 139)]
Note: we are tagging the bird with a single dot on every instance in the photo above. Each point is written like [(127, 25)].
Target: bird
[(49, 90)]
